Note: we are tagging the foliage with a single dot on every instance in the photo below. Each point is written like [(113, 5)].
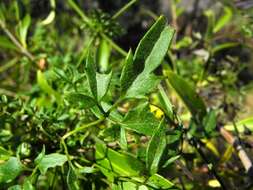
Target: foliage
[(79, 112)]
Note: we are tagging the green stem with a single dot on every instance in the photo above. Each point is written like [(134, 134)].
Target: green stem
[(123, 9), (16, 42), (80, 12), (82, 127), (8, 65), (114, 45)]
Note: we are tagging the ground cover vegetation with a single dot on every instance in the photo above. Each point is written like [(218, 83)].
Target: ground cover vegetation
[(124, 98)]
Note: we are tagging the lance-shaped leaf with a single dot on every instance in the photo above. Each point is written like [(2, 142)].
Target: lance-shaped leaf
[(91, 74), (209, 122), (113, 163), (159, 50), (23, 29), (188, 95), (140, 120), (156, 148), (149, 53), (127, 73)]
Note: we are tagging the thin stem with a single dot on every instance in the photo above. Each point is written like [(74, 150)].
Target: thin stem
[(123, 9), (82, 127), (79, 12), (16, 42), (8, 65), (114, 45)]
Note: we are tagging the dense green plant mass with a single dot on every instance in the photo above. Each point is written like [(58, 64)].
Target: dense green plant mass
[(79, 112)]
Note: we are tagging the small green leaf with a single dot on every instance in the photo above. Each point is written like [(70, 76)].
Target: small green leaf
[(160, 182), (43, 84), (103, 83), (224, 46), (223, 20), (127, 73), (82, 100), (4, 154), (10, 169), (23, 29), (188, 95), (49, 19), (156, 148), (118, 164), (50, 161), (209, 122), (166, 105), (143, 85), (140, 120), (91, 74), (171, 160)]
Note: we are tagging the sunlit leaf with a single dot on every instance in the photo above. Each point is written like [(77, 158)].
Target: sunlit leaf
[(156, 148), (10, 169), (140, 120)]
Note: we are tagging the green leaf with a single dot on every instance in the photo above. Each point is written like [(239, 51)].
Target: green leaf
[(223, 20), (50, 161), (147, 43), (6, 43), (156, 148), (140, 120), (10, 169), (91, 74), (159, 50), (23, 29), (4, 154), (43, 84), (171, 160), (209, 121), (82, 100), (127, 73), (143, 85), (149, 52), (160, 182), (28, 184), (72, 179), (223, 46), (15, 187), (248, 122), (117, 164), (103, 83), (166, 105), (49, 19), (188, 95)]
